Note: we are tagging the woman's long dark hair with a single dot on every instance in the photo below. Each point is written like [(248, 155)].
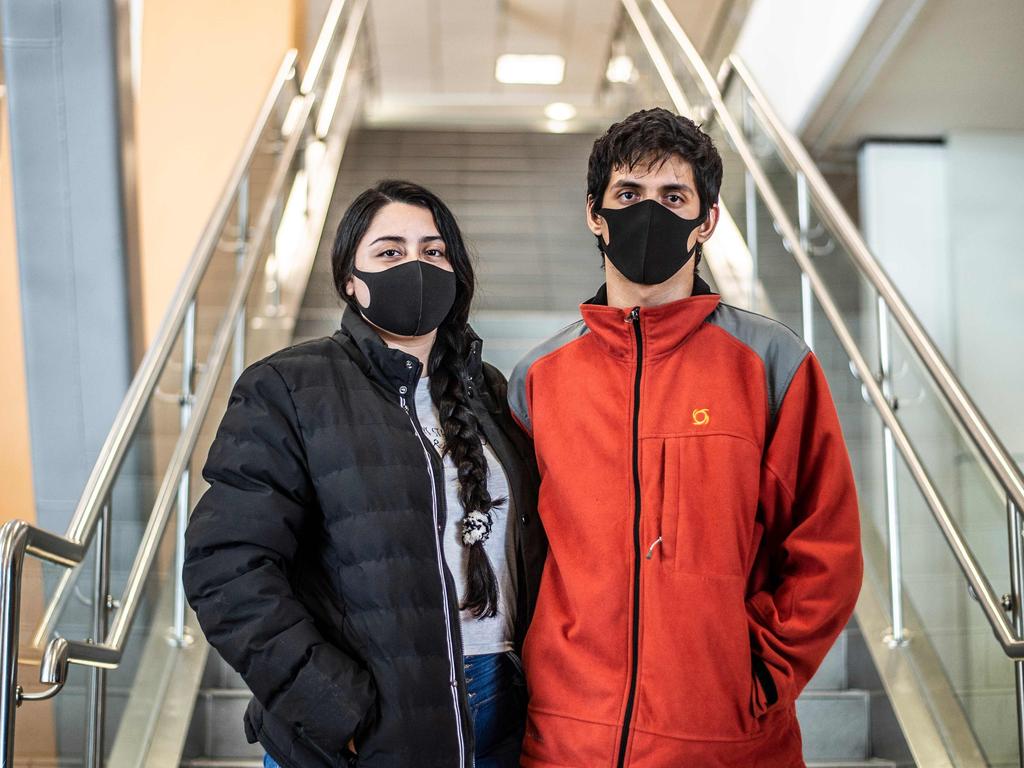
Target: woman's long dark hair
[(446, 366)]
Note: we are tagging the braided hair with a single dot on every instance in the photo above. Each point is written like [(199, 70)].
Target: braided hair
[(449, 378)]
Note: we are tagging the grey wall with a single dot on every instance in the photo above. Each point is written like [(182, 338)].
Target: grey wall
[(60, 71)]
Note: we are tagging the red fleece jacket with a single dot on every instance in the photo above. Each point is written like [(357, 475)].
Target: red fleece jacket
[(704, 537)]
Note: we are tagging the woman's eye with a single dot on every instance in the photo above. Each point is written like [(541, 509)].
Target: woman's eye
[(391, 253), (435, 253)]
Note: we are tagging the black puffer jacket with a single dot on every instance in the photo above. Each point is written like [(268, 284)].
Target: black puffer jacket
[(314, 560)]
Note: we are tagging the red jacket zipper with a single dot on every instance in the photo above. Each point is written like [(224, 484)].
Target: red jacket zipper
[(634, 318)]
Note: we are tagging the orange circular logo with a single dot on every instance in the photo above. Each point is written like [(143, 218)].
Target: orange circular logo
[(701, 416)]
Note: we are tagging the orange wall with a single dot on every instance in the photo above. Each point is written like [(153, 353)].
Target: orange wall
[(206, 67), (15, 459)]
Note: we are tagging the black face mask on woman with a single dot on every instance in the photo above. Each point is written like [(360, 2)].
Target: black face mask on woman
[(408, 300), (647, 241)]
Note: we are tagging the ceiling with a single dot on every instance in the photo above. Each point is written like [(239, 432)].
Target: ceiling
[(435, 58), (924, 69)]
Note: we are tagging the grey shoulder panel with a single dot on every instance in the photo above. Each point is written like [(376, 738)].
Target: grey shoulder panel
[(517, 382), (780, 349)]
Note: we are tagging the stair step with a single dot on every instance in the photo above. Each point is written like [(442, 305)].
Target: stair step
[(218, 675), (832, 675), (836, 725), (217, 725), (210, 762)]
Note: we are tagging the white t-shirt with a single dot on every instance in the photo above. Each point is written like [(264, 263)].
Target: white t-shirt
[(479, 636)]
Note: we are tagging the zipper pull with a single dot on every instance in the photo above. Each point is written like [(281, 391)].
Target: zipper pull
[(402, 402), (650, 552), (633, 316)]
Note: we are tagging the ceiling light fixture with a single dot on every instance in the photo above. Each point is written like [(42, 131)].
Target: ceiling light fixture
[(620, 69), (529, 69), (559, 110)]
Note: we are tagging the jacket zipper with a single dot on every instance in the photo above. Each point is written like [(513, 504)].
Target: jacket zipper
[(444, 583), (634, 318)]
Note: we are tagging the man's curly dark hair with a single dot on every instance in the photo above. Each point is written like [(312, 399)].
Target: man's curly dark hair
[(648, 138)]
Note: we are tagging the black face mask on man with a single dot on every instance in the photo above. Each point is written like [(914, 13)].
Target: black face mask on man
[(408, 300), (647, 241)]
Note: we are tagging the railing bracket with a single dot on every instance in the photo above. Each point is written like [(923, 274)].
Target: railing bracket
[(186, 640), (890, 639)]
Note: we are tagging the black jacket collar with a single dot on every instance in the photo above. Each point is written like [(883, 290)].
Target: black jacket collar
[(392, 367)]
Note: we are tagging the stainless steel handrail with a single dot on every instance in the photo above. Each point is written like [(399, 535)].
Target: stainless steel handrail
[(991, 605), (318, 58), (100, 482), (997, 457), (108, 654), (83, 522), (18, 539), (115, 447)]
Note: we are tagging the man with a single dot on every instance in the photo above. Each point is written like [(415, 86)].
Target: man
[(696, 492)]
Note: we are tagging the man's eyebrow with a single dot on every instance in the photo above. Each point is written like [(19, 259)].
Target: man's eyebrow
[(632, 184), (677, 188)]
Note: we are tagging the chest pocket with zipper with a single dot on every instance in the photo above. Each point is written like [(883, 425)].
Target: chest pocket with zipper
[(702, 491)]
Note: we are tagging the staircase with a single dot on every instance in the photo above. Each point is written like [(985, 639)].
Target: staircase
[(844, 716), (519, 198)]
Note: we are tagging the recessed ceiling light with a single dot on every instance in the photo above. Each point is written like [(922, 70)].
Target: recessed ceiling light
[(559, 110), (620, 69), (529, 69)]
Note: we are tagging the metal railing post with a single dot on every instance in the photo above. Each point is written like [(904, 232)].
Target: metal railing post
[(804, 222), (98, 675), (1016, 531), (238, 348), (188, 362), (897, 636), (13, 542), (274, 309)]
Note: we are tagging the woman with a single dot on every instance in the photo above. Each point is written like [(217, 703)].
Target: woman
[(367, 554)]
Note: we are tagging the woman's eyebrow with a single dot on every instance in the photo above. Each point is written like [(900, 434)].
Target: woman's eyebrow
[(388, 238)]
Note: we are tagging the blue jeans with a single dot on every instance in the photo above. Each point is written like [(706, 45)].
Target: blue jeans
[(497, 703)]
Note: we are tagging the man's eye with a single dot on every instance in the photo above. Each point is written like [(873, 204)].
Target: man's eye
[(674, 199), (627, 195)]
